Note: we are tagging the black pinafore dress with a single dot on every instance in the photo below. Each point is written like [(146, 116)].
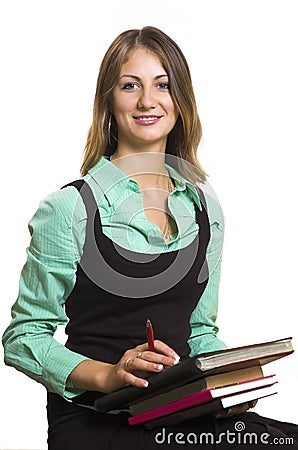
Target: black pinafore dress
[(116, 290)]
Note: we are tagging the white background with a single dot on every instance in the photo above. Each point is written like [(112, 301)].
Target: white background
[(243, 59)]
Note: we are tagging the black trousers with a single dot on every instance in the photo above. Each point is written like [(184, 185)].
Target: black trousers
[(72, 427)]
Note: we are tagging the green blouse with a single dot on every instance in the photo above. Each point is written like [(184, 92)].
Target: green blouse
[(57, 236)]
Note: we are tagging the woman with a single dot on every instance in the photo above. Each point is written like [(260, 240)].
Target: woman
[(135, 238)]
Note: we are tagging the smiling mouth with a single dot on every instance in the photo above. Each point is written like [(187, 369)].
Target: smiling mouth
[(147, 120)]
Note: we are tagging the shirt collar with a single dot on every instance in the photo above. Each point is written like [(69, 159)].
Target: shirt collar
[(113, 180), (110, 179), (182, 184)]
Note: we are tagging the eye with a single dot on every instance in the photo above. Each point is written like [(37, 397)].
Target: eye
[(130, 86), (163, 86)]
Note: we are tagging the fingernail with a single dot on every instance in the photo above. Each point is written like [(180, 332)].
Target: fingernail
[(146, 384), (158, 366), (176, 359)]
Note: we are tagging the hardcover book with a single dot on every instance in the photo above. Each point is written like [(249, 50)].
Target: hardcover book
[(195, 368), (213, 381), (203, 397), (214, 406)]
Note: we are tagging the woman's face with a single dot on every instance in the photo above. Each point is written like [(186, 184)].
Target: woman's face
[(141, 102)]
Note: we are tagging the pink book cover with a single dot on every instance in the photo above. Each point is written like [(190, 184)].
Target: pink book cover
[(201, 397)]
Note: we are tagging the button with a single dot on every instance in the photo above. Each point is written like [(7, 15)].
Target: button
[(154, 236), (153, 233), (134, 186)]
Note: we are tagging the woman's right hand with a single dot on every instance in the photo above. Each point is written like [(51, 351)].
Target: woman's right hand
[(135, 362), (104, 377)]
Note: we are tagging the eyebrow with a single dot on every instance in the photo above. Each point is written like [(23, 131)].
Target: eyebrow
[(138, 78)]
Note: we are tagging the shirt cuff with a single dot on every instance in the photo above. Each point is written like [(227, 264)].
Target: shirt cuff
[(205, 343), (59, 363)]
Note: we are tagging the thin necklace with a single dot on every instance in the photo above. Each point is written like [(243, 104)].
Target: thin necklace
[(166, 229)]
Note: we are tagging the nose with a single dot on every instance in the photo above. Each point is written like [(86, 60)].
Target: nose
[(147, 98)]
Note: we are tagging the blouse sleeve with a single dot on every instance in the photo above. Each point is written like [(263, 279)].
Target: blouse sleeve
[(46, 280), (203, 318)]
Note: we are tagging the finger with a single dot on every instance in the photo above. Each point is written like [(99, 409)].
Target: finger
[(238, 409), (161, 347), (157, 358), (141, 364), (252, 404), (131, 379), (163, 353)]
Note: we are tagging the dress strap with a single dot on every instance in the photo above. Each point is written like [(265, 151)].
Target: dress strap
[(77, 184), (93, 216), (198, 212)]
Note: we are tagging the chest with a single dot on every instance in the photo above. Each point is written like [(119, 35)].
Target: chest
[(156, 209)]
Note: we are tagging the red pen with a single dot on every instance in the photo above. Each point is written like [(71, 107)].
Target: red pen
[(150, 335)]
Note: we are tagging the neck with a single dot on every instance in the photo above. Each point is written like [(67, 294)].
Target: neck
[(147, 168)]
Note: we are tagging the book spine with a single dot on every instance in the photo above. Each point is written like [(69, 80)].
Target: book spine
[(211, 407), (187, 402), (170, 378)]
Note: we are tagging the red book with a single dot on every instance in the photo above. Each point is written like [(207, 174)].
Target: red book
[(215, 406), (205, 396)]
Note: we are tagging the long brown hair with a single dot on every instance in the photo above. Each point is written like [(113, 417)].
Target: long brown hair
[(184, 138)]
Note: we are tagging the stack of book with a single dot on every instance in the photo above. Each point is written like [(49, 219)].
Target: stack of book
[(200, 385)]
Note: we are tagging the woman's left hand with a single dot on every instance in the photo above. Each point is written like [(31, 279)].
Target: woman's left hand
[(237, 409)]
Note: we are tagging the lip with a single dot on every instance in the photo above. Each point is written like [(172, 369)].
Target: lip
[(147, 119)]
